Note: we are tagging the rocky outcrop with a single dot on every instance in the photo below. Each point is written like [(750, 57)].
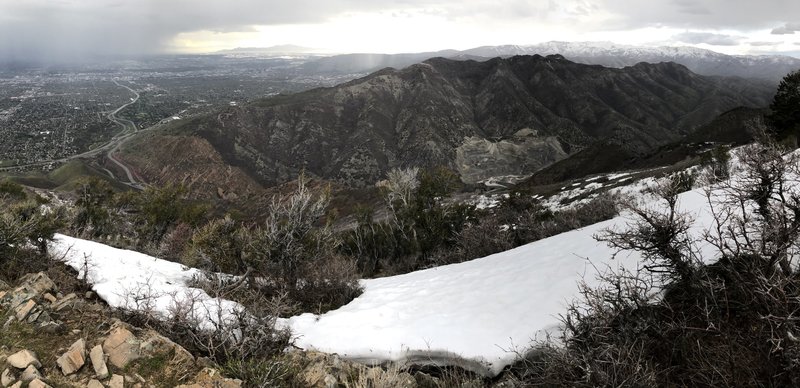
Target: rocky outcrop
[(121, 346), (478, 160), (98, 358), (94, 384), (23, 359), (73, 360), (29, 374), (61, 355), (116, 381), (7, 378), (36, 383)]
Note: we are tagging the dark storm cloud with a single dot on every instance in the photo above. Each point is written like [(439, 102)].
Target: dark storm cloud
[(64, 28), (47, 28), (74, 28), (708, 38)]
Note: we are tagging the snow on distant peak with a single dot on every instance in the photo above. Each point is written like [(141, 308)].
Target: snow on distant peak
[(698, 60)]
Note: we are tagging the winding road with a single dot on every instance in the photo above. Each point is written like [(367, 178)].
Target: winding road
[(128, 130)]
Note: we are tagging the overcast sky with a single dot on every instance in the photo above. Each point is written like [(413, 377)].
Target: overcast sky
[(63, 28)]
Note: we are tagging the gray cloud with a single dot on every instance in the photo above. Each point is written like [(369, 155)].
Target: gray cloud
[(761, 44), (75, 28), (72, 28), (691, 7), (739, 15), (786, 29), (64, 28), (708, 38)]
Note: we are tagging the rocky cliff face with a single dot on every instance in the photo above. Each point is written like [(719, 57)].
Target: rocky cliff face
[(500, 117)]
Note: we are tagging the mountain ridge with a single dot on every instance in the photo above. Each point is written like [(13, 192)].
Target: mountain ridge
[(701, 61), (507, 116)]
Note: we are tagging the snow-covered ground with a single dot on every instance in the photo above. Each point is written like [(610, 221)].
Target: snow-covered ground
[(477, 314), (483, 311), (578, 192), (132, 280)]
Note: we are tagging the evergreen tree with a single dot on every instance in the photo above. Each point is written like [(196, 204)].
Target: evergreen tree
[(785, 117)]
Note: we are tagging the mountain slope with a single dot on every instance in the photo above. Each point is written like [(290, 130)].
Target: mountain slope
[(499, 117), (735, 127)]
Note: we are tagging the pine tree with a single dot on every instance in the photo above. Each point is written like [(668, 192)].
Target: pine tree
[(785, 117)]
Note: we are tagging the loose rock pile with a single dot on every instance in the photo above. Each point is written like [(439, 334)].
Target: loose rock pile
[(36, 302), (85, 347)]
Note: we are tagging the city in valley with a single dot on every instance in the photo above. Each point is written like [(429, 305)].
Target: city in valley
[(50, 114)]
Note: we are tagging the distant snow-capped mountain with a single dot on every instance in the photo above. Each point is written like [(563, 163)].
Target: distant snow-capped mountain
[(700, 61), (280, 49)]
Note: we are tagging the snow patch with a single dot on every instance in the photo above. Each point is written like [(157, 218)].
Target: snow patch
[(132, 280), (478, 314), (484, 311)]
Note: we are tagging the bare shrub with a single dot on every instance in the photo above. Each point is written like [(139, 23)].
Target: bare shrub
[(759, 213), (392, 377), (477, 240), (176, 242), (420, 223), (10, 190), (25, 230), (730, 323), (401, 185), (555, 366), (292, 253), (603, 344), (262, 373), (521, 220), (290, 238), (140, 299), (535, 222), (226, 333), (327, 284), (218, 246), (660, 234), (93, 217), (716, 162)]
